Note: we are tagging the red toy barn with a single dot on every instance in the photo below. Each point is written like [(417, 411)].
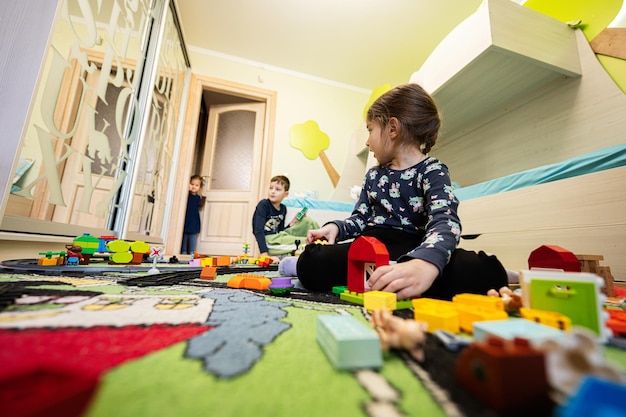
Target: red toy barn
[(554, 257), (365, 255)]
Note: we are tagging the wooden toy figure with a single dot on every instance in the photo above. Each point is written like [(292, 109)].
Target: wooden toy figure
[(512, 302), (397, 333), (75, 251)]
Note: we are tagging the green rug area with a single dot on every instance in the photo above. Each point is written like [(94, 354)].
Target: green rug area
[(191, 348)]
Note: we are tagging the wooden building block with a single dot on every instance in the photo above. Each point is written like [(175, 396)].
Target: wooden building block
[(609, 286), (589, 263)]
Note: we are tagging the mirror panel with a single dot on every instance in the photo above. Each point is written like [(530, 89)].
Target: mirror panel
[(88, 124)]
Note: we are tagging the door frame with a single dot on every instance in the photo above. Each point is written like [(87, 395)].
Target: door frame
[(197, 86)]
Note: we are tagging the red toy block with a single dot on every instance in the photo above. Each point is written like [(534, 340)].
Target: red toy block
[(554, 257), (365, 255), (616, 322), (505, 375)]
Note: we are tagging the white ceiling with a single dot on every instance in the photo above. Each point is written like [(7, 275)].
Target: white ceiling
[(361, 43)]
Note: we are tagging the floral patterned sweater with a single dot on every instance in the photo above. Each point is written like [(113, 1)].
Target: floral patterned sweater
[(418, 200)]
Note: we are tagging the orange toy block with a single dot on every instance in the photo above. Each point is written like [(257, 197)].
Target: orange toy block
[(208, 273), (250, 281), (616, 321), (47, 261), (222, 260)]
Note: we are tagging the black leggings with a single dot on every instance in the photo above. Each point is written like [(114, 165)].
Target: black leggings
[(322, 267)]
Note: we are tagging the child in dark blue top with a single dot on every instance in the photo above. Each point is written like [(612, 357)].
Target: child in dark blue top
[(269, 215), (407, 203), (191, 229), (268, 221)]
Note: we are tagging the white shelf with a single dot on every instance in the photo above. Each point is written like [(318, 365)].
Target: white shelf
[(496, 56)]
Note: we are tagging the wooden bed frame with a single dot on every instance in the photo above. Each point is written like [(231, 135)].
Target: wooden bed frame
[(583, 214)]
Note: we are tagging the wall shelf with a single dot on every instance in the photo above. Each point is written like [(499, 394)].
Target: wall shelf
[(498, 55)]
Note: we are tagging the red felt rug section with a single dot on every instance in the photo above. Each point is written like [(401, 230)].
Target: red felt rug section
[(50, 372)]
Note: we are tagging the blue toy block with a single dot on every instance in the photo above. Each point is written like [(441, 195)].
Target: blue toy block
[(348, 343), (514, 327), (72, 261), (595, 397)]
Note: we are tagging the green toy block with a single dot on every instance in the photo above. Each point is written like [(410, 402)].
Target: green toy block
[(576, 295), (339, 290), (348, 343), (352, 297)]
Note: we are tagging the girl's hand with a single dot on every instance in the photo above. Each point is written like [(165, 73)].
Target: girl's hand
[(407, 279), (328, 232)]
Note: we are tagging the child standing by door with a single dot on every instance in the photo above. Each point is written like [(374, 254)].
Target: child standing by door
[(195, 202)]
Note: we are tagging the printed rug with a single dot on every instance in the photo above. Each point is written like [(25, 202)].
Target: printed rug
[(135, 345)]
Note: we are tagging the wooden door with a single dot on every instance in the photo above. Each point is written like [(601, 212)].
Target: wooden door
[(231, 167)]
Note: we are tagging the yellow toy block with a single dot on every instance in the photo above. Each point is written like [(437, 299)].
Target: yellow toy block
[(208, 261), (419, 302), (477, 300), (547, 318), (469, 314), (439, 314), (139, 246), (375, 300)]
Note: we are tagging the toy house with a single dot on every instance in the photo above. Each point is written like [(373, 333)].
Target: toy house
[(365, 255), (553, 257)]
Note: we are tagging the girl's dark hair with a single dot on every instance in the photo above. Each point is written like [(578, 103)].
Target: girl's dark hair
[(197, 177), (416, 111)]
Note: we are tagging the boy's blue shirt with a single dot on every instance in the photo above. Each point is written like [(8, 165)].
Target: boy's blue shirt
[(267, 221)]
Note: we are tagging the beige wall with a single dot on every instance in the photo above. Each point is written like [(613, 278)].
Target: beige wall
[(335, 107)]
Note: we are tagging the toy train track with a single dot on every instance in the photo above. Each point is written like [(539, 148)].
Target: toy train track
[(95, 268)]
